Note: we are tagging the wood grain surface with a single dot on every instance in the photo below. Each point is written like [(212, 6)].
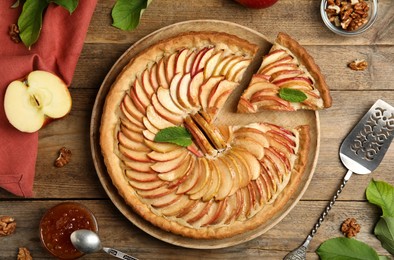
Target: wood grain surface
[(353, 93)]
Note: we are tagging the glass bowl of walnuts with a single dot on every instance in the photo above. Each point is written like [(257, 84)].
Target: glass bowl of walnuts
[(349, 17)]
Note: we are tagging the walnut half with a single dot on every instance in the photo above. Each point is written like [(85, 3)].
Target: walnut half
[(7, 225), (350, 228), (358, 65), (64, 157), (24, 254)]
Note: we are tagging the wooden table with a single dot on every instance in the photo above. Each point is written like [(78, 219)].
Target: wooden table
[(353, 93)]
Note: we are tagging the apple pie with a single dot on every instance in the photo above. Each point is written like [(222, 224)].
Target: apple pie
[(288, 79), (231, 178)]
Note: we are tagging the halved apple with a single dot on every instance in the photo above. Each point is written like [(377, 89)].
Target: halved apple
[(31, 103)]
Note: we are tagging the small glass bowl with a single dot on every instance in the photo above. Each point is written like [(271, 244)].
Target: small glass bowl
[(372, 15), (59, 222)]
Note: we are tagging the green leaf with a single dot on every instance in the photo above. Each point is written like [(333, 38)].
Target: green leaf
[(176, 135), (70, 5), (292, 95), (384, 231), (30, 21), (383, 257), (342, 248), (381, 194), (126, 14)]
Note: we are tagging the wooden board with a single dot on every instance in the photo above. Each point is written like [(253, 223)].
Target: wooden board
[(227, 116)]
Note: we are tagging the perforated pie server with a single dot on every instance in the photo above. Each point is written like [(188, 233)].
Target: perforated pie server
[(361, 152)]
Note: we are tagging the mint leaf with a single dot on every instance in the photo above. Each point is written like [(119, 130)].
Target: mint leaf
[(70, 5), (30, 21), (292, 95), (176, 135), (381, 194), (384, 231), (342, 248), (126, 14)]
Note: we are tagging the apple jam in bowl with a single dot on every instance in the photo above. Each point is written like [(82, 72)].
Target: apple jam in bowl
[(59, 222)]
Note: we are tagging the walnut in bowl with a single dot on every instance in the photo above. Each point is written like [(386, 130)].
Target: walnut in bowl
[(349, 17)]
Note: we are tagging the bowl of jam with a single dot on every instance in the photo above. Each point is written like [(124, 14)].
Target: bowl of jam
[(59, 222)]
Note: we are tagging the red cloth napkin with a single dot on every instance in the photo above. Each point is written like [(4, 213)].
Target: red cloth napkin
[(57, 51)]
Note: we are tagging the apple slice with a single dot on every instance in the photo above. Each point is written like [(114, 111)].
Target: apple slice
[(214, 184), (148, 135), (254, 146), (284, 74), (235, 72), (201, 212), (141, 186), (137, 103), (183, 90), (153, 76), (223, 62), (211, 132), (206, 88), (129, 125), (181, 61), (211, 64), (129, 117), (167, 166), (192, 179), (164, 112), (131, 108), (203, 60), (167, 156), (254, 164), (170, 66), (130, 144), (190, 61), (269, 70), (164, 97), (230, 63), (148, 125), (156, 120), (141, 94), (203, 180), (284, 59), (244, 106), (130, 134), (199, 137), (272, 56), (258, 84), (174, 86), (141, 176), (164, 201), (194, 88), (146, 84), (155, 193), (226, 178), (296, 81), (32, 102), (176, 208), (219, 95), (138, 166), (242, 167), (161, 147), (181, 174), (161, 74)]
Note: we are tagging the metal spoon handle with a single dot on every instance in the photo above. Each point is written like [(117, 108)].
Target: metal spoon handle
[(118, 254), (330, 204)]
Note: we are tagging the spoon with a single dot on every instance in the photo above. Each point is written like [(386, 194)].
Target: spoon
[(87, 241)]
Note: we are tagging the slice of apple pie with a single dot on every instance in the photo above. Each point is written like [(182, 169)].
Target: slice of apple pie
[(231, 179), (288, 79)]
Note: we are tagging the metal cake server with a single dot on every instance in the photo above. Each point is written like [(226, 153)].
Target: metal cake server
[(361, 152)]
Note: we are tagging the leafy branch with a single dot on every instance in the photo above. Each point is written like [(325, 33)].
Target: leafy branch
[(126, 15)]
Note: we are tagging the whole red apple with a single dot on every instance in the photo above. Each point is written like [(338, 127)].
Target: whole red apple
[(257, 4)]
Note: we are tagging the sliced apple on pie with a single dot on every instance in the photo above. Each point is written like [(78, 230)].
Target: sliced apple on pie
[(288, 79), (228, 179)]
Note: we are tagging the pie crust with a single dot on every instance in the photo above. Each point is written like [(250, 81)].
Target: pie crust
[(157, 179)]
